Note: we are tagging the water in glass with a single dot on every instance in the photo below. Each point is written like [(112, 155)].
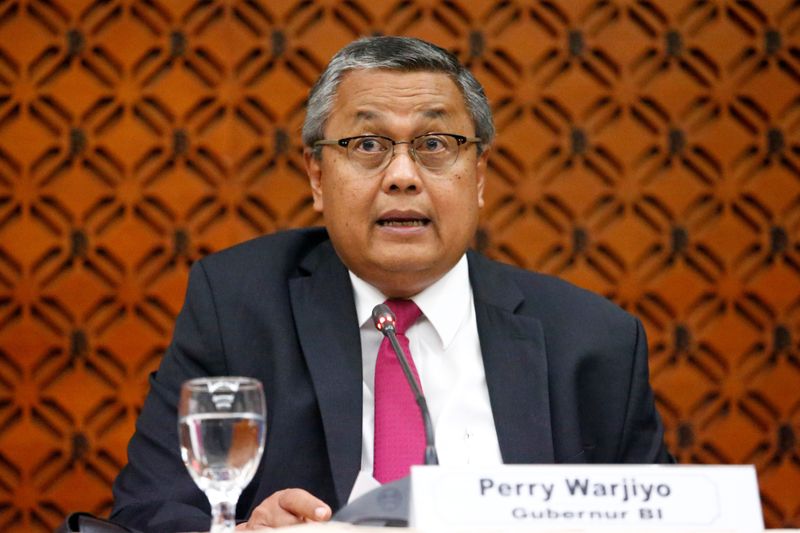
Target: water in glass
[(222, 422)]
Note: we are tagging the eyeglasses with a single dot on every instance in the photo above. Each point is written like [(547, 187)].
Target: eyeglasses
[(435, 152)]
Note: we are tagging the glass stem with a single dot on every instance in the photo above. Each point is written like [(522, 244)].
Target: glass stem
[(223, 517)]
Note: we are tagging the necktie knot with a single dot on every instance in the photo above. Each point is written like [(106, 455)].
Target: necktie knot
[(406, 313)]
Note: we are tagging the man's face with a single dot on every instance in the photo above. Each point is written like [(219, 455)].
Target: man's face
[(402, 227)]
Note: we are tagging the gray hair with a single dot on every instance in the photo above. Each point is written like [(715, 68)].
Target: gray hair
[(402, 54)]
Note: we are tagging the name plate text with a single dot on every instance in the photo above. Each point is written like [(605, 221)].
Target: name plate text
[(586, 496)]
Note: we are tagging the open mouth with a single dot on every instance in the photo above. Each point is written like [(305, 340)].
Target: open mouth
[(403, 222)]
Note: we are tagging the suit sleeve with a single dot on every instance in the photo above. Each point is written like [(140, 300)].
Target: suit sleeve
[(154, 492), (643, 432)]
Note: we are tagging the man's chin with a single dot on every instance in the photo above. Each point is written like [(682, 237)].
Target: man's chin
[(404, 275), (405, 258)]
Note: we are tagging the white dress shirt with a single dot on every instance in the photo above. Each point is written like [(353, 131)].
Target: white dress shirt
[(446, 350)]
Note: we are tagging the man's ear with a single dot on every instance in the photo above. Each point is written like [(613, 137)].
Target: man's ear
[(480, 174), (314, 171)]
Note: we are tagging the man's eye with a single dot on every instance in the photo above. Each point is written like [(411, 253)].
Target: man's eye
[(369, 145), (431, 144)]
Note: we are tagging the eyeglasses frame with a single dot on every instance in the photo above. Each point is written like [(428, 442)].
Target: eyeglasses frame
[(344, 142)]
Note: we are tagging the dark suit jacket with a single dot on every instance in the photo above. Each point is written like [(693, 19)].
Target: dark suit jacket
[(566, 370)]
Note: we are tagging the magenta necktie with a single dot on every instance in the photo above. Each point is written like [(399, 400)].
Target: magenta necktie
[(399, 434)]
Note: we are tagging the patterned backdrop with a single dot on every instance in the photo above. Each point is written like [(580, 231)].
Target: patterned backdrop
[(647, 150)]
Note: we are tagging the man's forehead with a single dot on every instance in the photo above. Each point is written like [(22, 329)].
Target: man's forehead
[(371, 95), (371, 115)]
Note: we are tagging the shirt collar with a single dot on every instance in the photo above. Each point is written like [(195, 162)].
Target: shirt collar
[(445, 303)]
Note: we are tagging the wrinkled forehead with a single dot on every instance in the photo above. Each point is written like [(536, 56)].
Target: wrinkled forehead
[(377, 95)]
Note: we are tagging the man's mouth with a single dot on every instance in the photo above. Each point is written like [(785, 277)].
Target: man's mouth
[(403, 222)]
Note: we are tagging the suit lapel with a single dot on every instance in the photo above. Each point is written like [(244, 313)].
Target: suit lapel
[(324, 311), (515, 362)]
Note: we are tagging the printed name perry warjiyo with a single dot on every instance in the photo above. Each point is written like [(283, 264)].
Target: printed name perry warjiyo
[(623, 490)]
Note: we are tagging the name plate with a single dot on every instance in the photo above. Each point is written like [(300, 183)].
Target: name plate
[(586, 496)]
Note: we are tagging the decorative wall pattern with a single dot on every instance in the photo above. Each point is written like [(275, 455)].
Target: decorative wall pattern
[(647, 150)]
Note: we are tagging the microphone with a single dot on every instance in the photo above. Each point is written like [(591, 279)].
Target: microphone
[(388, 505), (384, 320)]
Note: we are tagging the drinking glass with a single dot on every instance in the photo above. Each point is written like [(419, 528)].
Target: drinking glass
[(221, 422)]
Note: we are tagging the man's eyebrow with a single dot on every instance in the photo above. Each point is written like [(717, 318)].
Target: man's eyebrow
[(435, 113), (365, 115)]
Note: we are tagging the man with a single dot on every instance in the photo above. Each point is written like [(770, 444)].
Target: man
[(517, 367)]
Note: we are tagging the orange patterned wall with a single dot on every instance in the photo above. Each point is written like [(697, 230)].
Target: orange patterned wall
[(647, 150)]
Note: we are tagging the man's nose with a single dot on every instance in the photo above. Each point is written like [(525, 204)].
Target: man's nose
[(402, 171)]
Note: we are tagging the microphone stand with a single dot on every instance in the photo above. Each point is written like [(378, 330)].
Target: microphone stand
[(388, 505), (431, 457)]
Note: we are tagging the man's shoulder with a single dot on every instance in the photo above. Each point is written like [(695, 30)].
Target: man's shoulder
[(547, 295), (279, 251)]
